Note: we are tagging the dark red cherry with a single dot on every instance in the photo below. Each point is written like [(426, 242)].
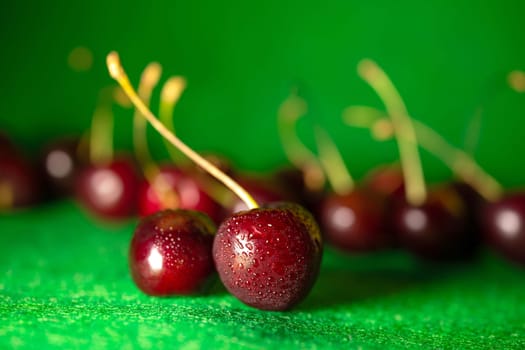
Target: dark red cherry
[(503, 223), (60, 164), (473, 202), (269, 258), (170, 252), (437, 229), (172, 188), (19, 183), (109, 190), (385, 180), (356, 222)]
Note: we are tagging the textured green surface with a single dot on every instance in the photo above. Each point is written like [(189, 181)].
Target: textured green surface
[(65, 284)]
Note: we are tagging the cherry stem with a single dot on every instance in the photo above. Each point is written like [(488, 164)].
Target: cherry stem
[(117, 72), (169, 97), (333, 163), (148, 80), (290, 111), (403, 128), (101, 133), (463, 165)]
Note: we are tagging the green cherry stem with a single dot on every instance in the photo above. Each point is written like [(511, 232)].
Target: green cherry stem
[(117, 72)]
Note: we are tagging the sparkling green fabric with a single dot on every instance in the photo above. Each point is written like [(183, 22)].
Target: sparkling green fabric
[(65, 284)]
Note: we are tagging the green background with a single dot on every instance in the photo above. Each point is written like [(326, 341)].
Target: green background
[(65, 281), (241, 58)]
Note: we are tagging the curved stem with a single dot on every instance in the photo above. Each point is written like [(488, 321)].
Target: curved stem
[(333, 163), (463, 165), (170, 95), (117, 72), (404, 130), (297, 153), (148, 80)]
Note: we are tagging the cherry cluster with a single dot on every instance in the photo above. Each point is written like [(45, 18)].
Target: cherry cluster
[(262, 237)]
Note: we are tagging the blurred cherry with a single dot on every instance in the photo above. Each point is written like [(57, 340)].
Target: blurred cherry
[(503, 222), (109, 190), (60, 164), (19, 183), (170, 189), (356, 221)]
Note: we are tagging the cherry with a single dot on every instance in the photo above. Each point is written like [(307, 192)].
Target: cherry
[(60, 164), (437, 229), (109, 190), (19, 185), (503, 222), (283, 241), (171, 188), (170, 252), (293, 179), (385, 180), (269, 258), (355, 221)]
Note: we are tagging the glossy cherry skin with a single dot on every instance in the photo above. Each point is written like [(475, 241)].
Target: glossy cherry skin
[(170, 253), (269, 258), (356, 222), (503, 223), (60, 165), (109, 190), (436, 230), (385, 180), (171, 188), (19, 184)]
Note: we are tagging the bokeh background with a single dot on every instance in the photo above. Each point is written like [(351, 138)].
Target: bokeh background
[(241, 58)]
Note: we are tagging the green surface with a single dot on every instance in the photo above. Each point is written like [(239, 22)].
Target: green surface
[(65, 284)]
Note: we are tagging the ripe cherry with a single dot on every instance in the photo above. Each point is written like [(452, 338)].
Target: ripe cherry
[(261, 192), (269, 258), (60, 164), (170, 252), (109, 190), (19, 184), (356, 221), (437, 229), (171, 188), (503, 222), (285, 239)]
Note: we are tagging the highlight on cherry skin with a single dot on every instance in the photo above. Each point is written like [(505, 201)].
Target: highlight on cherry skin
[(282, 245), (170, 252), (269, 258)]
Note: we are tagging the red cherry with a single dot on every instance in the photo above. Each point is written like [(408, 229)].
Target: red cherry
[(170, 252), (436, 229), (503, 222), (109, 190), (60, 165), (19, 185), (355, 222), (171, 188), (385, 180), (269, 258)]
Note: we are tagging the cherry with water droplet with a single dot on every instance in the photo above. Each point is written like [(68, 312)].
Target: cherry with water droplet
[(170, 253), (269, 258)]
